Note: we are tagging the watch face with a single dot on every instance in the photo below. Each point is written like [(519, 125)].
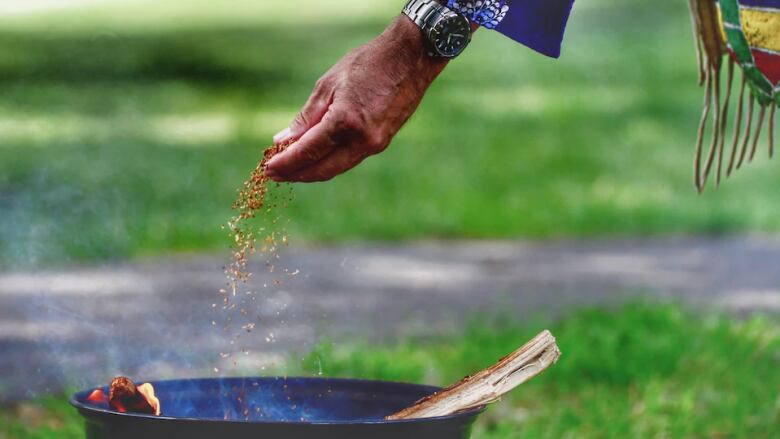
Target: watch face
[(450, 36)]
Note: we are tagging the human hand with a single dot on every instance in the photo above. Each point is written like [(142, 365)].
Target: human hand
[(358, 107)]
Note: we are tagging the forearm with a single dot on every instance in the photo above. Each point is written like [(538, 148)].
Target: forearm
[(403, 37)]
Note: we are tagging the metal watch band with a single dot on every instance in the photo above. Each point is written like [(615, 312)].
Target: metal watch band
[(422, 12)]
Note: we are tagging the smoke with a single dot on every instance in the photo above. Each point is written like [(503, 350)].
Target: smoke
[(68, 325), (76, 327), (46, 219)]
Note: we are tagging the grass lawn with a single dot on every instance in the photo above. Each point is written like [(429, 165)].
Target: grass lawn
[(639, 370), (125, 128)]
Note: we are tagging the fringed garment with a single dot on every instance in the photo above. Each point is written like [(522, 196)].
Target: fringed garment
[(743, 33)]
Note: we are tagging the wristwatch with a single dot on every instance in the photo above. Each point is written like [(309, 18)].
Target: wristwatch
[(448, 32)]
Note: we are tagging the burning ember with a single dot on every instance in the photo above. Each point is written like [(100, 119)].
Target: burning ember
[(124, 396)]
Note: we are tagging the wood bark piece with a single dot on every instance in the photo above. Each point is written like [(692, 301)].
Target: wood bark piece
[(124, 396), (490, 384)]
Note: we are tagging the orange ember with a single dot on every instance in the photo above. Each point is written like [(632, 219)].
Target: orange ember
[(98, 397), (124, 396)]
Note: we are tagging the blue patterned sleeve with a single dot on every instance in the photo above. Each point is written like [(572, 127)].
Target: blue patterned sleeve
[(539, 24)]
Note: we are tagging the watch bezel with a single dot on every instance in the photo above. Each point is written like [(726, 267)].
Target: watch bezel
[(434, 33)]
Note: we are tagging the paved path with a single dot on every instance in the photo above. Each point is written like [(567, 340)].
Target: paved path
[(154, 318)]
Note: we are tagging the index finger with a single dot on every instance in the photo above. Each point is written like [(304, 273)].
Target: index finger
[(312, 147)]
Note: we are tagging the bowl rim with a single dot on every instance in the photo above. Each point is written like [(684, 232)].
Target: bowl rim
[(91, 411)]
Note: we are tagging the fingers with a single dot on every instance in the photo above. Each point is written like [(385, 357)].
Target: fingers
[(338, 143), (312, 147), (311, 114), (337, 162), (283, 136)]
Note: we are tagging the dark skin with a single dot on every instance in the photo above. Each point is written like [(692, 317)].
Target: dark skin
[(358, 106)]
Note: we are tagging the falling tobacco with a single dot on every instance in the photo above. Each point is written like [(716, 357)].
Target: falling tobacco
[(248, 237), (250, 202)]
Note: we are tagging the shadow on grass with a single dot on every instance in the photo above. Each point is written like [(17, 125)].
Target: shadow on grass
[(249, 57)]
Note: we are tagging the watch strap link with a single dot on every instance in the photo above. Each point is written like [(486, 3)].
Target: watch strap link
[(423, 12)]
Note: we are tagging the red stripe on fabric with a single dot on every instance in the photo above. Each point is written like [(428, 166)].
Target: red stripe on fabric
[(732, 54), (769, 64)]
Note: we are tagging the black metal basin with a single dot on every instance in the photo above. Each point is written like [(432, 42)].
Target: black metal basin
[(275, 408)]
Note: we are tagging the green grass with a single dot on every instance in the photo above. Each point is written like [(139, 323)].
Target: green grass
[(125, 129), (639, 370), (48, 418)]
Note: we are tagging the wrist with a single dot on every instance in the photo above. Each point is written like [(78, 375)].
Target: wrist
[(406, 39), (447, 31)]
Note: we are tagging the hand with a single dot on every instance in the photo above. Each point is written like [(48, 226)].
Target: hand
[(357, 107)]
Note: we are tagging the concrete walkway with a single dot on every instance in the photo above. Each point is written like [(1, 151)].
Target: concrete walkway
[(164, 317)]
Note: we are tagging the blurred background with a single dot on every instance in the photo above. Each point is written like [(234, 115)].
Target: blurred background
[(525, 193)]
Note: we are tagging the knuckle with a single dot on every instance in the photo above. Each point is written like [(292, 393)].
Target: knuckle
[(349, 122), (326, 85), (374, 141), (301, 120), (322, 84)]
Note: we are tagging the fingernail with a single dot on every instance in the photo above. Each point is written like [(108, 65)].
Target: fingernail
[(282, 136)]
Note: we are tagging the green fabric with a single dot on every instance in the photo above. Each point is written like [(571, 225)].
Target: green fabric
[(759, 84)]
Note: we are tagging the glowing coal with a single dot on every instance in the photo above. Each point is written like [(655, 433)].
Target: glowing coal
[(124, 396)]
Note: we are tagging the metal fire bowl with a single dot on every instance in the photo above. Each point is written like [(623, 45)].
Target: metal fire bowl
[(275, 408)]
